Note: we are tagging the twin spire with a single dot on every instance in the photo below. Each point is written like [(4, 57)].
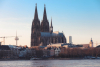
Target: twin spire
[(36, 13), (44, 15)]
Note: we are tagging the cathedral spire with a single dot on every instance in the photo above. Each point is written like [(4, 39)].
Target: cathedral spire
[(36, 14), (51, 22), (35, 30), (44, 15), (44, 23), (51, 27)]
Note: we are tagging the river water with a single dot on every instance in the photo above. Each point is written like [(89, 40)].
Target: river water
[(51, 63)]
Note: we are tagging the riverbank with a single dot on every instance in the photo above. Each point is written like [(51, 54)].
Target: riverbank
[(65, 58), (46, 59)]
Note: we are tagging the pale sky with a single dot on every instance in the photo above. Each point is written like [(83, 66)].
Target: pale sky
[(77, 18)]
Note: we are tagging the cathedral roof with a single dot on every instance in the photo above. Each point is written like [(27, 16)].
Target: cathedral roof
[(48, 34)]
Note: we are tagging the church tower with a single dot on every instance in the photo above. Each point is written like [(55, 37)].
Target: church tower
[(35, 30), (51, 27), (44, 23), (91, 43)]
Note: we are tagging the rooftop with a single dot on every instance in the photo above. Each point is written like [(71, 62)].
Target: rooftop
[(48, 34)]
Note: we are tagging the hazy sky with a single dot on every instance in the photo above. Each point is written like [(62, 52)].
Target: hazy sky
[(77, 18)]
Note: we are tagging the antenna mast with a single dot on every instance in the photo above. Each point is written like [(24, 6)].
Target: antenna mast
[(16, 38)]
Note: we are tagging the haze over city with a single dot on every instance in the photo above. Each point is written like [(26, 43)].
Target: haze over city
[(77, 18)]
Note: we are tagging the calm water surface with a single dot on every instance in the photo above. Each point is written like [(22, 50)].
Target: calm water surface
[(50, 63)]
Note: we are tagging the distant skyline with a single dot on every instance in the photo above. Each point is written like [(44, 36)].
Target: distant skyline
[(77, 18)]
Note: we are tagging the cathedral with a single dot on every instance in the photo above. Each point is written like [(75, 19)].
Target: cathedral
[(42, 33)]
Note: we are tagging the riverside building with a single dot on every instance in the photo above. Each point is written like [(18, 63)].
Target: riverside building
[(42, 34), (69, 39)]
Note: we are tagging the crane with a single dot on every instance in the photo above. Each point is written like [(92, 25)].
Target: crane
[(5, 37), (16, 38), (96, 43)]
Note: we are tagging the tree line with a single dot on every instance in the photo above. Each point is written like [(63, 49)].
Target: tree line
[(79, 53)]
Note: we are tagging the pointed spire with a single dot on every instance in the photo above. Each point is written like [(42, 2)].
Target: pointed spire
[(36, 14), (91, 40), (51, 27), (44, 15), (51, 21)]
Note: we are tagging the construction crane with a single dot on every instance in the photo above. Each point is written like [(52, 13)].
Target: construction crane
[(16, 38), (6, 37), (96, 43)]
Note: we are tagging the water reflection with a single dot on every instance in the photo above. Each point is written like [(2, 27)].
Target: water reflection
[(50, 63)]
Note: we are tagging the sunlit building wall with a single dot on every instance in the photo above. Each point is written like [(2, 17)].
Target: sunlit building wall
[(69, 39), (91, 43)]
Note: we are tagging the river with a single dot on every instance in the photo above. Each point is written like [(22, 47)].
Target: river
[(51, 63)]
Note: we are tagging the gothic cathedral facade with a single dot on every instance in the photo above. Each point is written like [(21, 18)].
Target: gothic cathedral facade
[(42, 34)]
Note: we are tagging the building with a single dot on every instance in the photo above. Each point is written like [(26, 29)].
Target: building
[(46, 53), (55, 45), (82, 45), (0, 43), (66, 45), (35, 30), (5, 52), (69, 39), (91, 43), (98, 46), (42, 34), (52, 52), (57, 51)]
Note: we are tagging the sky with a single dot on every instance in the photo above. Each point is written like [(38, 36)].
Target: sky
[(77, 18)]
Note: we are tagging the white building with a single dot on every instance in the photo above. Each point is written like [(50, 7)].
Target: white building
[(57, 51), (69, 39)]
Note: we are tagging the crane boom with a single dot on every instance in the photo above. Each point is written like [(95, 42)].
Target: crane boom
[(16, 38), (6, 37)]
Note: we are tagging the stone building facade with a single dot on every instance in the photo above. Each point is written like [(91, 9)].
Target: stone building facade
[(35, 31), (44, 23), (91, 43), (42, 34)]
